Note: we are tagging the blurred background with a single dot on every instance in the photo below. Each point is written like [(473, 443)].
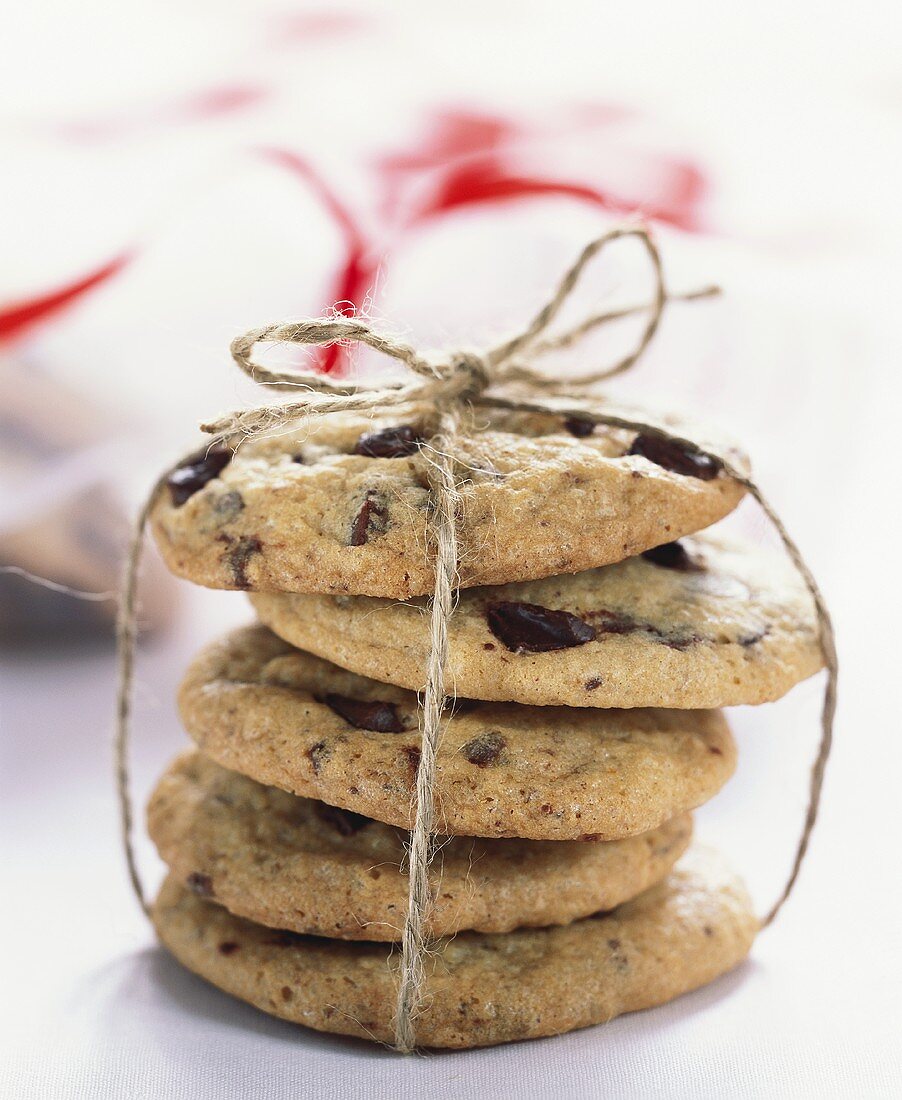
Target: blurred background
[(174, 173)]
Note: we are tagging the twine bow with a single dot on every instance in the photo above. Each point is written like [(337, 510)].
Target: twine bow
[(452, 384), (447, 382)]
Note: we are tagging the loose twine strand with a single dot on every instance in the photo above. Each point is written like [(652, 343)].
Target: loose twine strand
[(451, 384)]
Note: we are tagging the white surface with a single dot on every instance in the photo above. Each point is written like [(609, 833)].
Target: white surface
[(796, 113)]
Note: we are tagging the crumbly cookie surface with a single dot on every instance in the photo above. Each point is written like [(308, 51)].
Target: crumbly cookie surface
[(481, 990), (702, 622), (298, 864), (344, 506), (290, 720)]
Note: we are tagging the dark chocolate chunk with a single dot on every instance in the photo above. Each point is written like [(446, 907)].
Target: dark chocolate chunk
[(228, 948), (673, 555), (594, 683), (237, 556), (674, 456), (200, 884), (366, 714), (397, 442), (484, 750), (318, 754), (527, 628), (575, 425), (345, 822), (413, 754), (372, 519), (195, 472)]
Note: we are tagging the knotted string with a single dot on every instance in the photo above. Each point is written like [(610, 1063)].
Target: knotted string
[(451, 384)]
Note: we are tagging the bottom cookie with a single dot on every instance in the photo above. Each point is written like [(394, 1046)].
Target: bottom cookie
[(481, 989)]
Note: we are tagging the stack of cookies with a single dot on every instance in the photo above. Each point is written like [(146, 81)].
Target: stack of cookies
[(595, 633)]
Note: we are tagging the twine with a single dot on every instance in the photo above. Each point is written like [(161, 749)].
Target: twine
[(452, 385)]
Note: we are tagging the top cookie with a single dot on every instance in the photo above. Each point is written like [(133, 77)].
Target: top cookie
[(704, 622), (344, 506)]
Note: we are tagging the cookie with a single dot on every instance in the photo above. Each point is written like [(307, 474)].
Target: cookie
[(302, 865), (290, 720), (701, 622), (480, 989), (344, 506)]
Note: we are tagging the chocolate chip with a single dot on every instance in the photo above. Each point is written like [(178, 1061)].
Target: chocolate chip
[(593, 683), (575, 425), (195, 472), (398, 442), (366, 714), (200, 884), (372, 519), (228, 948), (318, 754), (673, 555), (484, 750), (413, 754), (345, 822), (527, 628), (237, 556), (673, 456)]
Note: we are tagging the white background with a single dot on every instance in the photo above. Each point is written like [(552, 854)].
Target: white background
[(795, 112)]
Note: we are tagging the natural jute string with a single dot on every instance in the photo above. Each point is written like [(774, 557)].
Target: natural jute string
[(452, 385)]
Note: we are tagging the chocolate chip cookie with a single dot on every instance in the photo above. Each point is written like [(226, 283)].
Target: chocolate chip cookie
[(299, 864), (345, 505), (699, 622), (481, 989), (290, 720)]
